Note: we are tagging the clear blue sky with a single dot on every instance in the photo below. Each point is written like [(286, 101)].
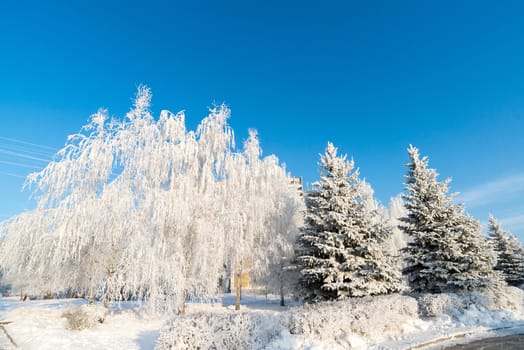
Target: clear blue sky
[(370, 76)]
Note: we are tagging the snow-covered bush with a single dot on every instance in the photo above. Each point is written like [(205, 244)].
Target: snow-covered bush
[(508, 298), (228, 330), (85, 316), (370, 317), (434, 305), (456, 305), (340, 323)]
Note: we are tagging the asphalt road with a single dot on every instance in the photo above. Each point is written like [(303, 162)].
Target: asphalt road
[(509, 342)]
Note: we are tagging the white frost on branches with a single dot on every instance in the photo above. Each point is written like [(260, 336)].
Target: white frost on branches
[(144, 208), (510, 253), (447, 251), (341, 250)]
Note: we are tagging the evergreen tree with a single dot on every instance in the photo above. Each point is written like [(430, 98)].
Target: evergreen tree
[(339, 252), (510, 253), (447, 251)]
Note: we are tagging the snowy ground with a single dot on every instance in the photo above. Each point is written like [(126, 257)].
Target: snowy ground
[(40, 325)]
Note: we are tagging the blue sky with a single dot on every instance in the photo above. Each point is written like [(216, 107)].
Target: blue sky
[(372, 77)]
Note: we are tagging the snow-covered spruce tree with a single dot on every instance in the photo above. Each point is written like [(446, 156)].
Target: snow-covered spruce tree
[(340, 250), (447, 251), (510, 253)]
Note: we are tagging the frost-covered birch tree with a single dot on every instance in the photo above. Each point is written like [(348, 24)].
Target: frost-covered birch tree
[(510, 253), (67, 245), (447, 251), (144, 208), (396, 211), (21, 234), (379, 270), (283, 222), (258, 232)]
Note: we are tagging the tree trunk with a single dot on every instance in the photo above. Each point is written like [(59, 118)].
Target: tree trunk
[(91, 295), (182, 304), (238, 286), (91, 277), (107, 297), (110, 272), (182, 308), (282, 301)]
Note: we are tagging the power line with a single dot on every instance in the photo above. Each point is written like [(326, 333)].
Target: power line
[(13, 175), (14, 152), (11, 153), (28, 143), (24, 149), (33, 155), (20, 164)]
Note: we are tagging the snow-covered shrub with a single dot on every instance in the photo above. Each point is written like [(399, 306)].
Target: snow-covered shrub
[(204, 330), (457, 304), (341, 323), (508, 298), (433, 305), (370, 317), (85, 316), (492, 308)]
